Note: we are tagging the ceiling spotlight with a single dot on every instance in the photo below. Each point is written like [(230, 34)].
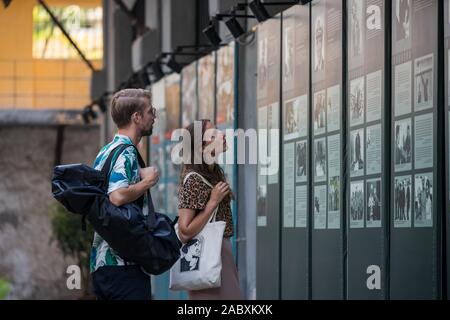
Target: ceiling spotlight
[(173, 65), (157, 70), (259, 11), (212, 35), (234, 27), (259, 8)]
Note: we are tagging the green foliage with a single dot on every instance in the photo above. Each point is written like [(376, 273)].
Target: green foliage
[(72, 240), (67, 232), (5, 287)]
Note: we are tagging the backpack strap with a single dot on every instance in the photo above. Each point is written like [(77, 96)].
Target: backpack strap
[(107, 165), (142, 164), (106, 172), (113, 154)]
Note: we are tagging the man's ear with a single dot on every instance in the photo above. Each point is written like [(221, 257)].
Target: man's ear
[(135, 117)]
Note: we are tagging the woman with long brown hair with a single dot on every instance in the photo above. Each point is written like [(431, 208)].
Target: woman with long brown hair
[(197, 203)]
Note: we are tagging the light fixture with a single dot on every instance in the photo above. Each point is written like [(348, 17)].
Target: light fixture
[(173, 65), (259, 10), (232, 24), (211, 34), (234, 27), (258, 7)]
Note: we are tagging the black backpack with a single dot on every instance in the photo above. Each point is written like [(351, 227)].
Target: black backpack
[(150, 241)]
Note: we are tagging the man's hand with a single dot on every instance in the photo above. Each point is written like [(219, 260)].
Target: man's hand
[(150, 175)]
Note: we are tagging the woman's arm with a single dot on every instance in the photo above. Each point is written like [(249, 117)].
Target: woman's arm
[(190, 224)]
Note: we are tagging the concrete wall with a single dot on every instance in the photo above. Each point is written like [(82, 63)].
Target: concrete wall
[(29, 260)]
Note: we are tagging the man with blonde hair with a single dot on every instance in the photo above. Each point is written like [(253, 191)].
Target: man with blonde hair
[(133, 113)]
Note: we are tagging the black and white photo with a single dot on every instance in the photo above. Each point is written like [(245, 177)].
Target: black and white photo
[(373, 203), (320, 161), (319, 112), (356, 27), (402, 201), (423, 73), (291, 119), (403, 19), (334, 189), (320, 207), (423, 200), (357, 204), (300, 161), (403, 145), (288, 57), (357, 101), (191, 253), (263, 65), (261, 203), (319, 43), (357, 153)]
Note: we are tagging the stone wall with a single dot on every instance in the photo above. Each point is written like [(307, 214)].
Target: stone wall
[(29, 259)]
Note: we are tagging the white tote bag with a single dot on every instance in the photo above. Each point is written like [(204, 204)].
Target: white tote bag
[(200, 262)]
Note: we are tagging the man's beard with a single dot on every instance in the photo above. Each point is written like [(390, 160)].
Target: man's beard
[(147, 132)]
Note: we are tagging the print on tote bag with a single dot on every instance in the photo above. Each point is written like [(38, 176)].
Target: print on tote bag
[(190, 255)]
